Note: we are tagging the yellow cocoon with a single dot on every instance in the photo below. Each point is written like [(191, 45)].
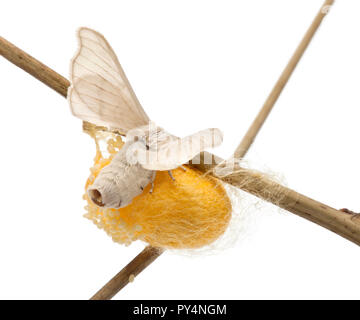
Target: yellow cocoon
[(190, 212)]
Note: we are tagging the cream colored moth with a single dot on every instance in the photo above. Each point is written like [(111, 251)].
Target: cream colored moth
[(101, 94)]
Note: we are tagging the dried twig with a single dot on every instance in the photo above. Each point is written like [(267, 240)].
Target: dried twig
[(255, 127), (34, 67), (141, 261), (344, 224)]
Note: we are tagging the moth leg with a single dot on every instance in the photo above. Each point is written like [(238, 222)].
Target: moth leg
[(182, 167), (152, 187), (171, 175), (152, 182)]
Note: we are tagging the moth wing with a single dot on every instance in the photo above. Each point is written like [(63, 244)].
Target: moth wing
[(172, 154), (100, 92)]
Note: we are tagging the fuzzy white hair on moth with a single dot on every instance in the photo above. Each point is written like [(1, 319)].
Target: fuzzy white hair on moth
[(100, 93)]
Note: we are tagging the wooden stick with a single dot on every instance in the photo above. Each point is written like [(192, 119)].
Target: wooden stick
[(138, 264), (255, 127), (34, 67)]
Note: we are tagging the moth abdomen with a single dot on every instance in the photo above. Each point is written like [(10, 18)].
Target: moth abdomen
[(119, 182)]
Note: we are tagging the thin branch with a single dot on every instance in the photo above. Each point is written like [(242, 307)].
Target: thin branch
[(34, 67), (138, 264), (255, 127)]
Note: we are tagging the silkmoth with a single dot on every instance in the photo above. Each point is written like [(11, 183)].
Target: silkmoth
[(100, 93)]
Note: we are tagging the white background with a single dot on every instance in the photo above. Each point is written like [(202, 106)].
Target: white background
[(193, 64)]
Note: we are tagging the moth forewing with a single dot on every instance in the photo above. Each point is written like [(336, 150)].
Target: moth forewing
[(100, 91)]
